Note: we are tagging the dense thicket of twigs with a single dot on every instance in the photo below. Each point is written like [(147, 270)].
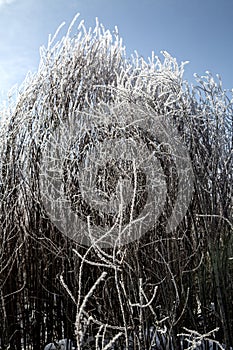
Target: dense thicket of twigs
[(52, 286)]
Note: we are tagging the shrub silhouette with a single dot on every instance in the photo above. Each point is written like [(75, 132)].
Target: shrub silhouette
[(161, 280)]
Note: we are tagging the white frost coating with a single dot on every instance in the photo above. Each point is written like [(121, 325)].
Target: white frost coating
[(84, 86)]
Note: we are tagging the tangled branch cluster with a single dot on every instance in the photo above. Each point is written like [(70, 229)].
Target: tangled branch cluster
[(171, 161)]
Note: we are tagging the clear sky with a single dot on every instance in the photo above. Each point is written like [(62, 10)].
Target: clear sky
[(200, 31)]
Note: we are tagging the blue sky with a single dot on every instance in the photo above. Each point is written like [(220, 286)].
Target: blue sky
[(200, 31)]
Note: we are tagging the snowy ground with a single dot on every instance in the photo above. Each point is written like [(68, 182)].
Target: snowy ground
[(66, 344)]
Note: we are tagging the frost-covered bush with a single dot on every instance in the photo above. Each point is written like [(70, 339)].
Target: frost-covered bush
[(115, 188)]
